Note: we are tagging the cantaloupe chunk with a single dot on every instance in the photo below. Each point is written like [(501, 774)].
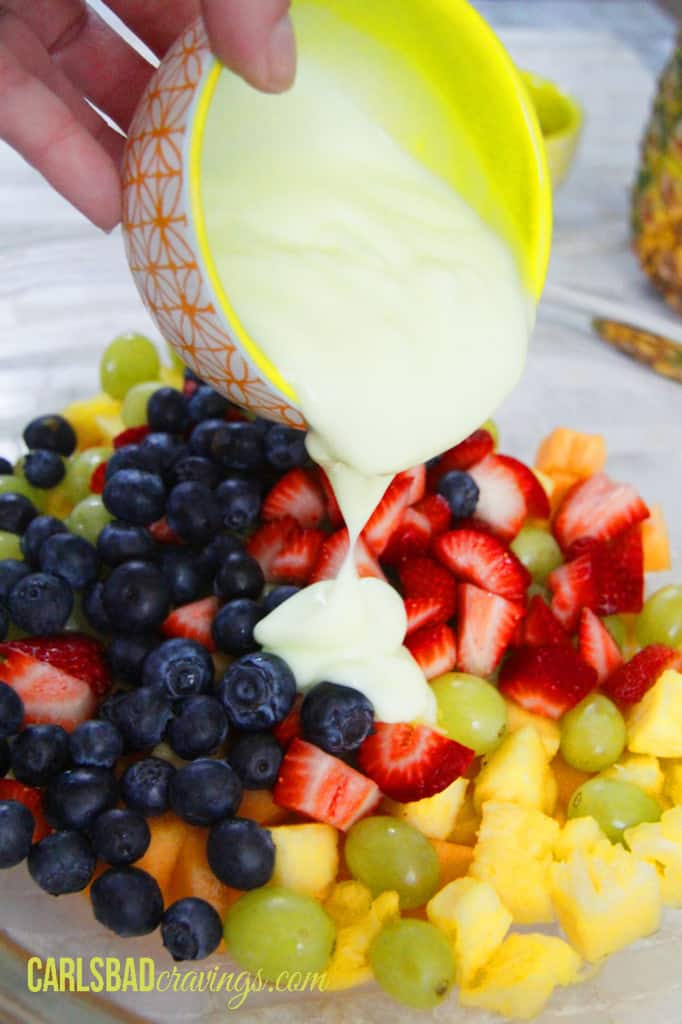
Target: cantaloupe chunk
[(168, 836), (454, 859), (656, 542), (569, 451), (258, 805), (192, 875)]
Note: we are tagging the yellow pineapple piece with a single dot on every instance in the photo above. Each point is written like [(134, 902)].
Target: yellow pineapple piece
[(546, 482), (642, 770), (472, 916), (306, 858), (172, 377), (467, 823), (84, 416), (605, 899), (577, 834), (57, 502), (548, 730), (660, 844), (655, 724), (348, 902), (109, 427), (436, 815), (672, 782), (514, 854), (349, 965), (517, 772), (520, 977)]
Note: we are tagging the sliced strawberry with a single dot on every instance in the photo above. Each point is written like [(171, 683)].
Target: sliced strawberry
[(290, 727), (236, 415), (333, 554), (50, 696), (476, 557), (417, 478), (599, 508), (596, 646), (297, 559), (628, 684), (133, 435), (268, 540), (412, 762), (322, 787), (412, 537), (98, 478), (32, 798), (548, 681), (583, 546), (77, 654), (502, 502), (619, 572), (193, 621), (387, 515), (423, 611), (333, 511), (296, 494), (434, 649), (163, 533), (541, 628), (573, 587), (463, 456), (537, 502), (424, 577), (485, 627), (437, 511)]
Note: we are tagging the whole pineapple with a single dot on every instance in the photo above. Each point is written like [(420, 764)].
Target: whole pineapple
[(657, 198)]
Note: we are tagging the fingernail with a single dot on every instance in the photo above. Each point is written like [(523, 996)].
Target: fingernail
[(281, 55)]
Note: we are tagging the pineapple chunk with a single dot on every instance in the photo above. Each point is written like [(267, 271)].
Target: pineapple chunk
[(306, 858), (660, 844), (672, 784), (548, 730), (467, 823), (642, 770), (349, 965), (655, 724), (521, 976), (605, 899), (472, 916), (84, 417), (577, 834), (517, 772), (514, 854), (436, 815), (348, 903)]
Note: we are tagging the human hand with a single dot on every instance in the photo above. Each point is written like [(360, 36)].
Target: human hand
[(57, 54)]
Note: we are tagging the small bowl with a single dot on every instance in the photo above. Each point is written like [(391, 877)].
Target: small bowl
[(561, 122)]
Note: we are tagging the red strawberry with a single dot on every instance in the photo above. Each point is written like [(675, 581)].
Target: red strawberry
[(32, 798), (434, 649), (98, 478), (537, 502), (297, 559), (133, 435), (423, 611), (411, 762), (628, 684), (424, 577), (193, 621), (323, 787), (573, 587), (546, 680), (477, 557), (268, 540), (502, 502), (387, 515), (290, 727), (619, 572), (333, 511), (50, 696), (333, 554), (583, 546), (235, 415), (412, 537), (437, 511), (163, 533), (598, 507), (541, 628), (417, 478), (485, 628), (596, 646), (463, 456), (296, 494), (77, 654)]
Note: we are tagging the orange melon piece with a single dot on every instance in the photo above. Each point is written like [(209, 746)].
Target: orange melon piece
[(567, 779), (562, 485), (168, 836), (568, 451), (192, 875), (258, 805), (656, 542), (454, 859)]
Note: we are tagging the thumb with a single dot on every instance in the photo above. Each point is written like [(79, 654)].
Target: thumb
[(255, 38)]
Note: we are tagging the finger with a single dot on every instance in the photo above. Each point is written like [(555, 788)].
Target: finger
[(40, 126), (255, 38), (158, 23)]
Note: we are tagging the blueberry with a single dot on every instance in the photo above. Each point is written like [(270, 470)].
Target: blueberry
[(256, 758), (207, 404), (277, 596), (39, 753), (52, 432), (136, 597), (145, 785), (106, 712), (11, 571), (191, 929), (193, 512), (239, 500), (238, 446), (120, 836), (16, 512), (62, 862), (165, 450), (5, 758), (95, 744), (199, 727), (461, 493), (72, 558), (16, 832), (142, 716), (241, 853), (6, 467), (220, 548), (135, 496), (40, 603), (285, 447), (131, 456), (232, 629), (195, 469), (127, 900), (257, 691), (74, 798), (122, 542), (181, 668), (205, 791), (336, 718), (187, 573), (11, 711), (126, 654), (167, 410), (191, 377), (239, 575), (43, 468), (37, 531), (201, 438), (93, 608)]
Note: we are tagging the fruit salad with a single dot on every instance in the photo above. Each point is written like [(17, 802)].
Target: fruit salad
[(156, 759)]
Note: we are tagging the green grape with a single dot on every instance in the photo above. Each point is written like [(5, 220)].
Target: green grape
[(386, 853), (470, 711), (175, 360), (614, 805), (274, 929), (413, 962), (89, 518), (10, 546), (18, 484), (593, 734), (538, 551), (617, 628), (134, 408), (537, 590), (128, 360), (493, 430), (660, 621), (79, 470)]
